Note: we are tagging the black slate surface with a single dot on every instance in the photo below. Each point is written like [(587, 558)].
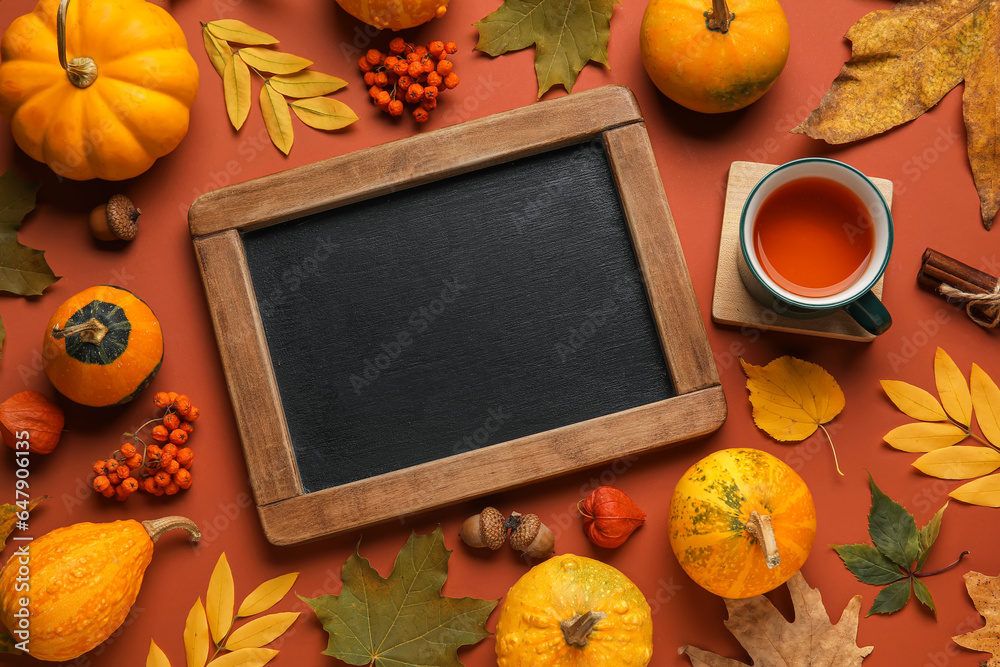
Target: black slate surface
[(456, 315)]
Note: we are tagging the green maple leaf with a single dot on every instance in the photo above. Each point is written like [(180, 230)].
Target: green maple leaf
[(23, 270), (567, 34), (897, 558), (402, 619)]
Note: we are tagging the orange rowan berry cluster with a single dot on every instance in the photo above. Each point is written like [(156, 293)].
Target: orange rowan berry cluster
[(160, 468), (412, 74)]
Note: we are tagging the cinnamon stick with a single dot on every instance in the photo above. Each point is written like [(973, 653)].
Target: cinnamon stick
[(938, 270)]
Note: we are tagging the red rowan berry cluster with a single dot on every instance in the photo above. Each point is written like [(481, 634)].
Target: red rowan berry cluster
[(160, 468), (412, 74)]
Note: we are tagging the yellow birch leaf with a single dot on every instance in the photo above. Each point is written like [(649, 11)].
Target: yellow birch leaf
[(952, 388), (232, 30), (914, 401), (277, 119), (196, 638), (984, 491), (986, 401), (261, 631), (306, 84), (267, 594), (156, 656), (245, 657), (220, 599), (323, 113), (924, 436), (269, 60), (791, 398), (218, 51), (958, 462), (236, 85)]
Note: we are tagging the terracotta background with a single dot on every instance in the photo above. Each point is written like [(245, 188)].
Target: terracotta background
[(935, 205)]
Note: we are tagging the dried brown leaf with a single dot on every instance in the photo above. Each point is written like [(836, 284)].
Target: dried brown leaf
[(982, 121), (985, 594), (903, 61), (771, 640)]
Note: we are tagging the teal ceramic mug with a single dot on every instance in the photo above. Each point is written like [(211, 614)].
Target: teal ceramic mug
[(801, 188)]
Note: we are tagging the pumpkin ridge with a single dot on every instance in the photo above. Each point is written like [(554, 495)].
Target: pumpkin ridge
[(132, 84), (102, 93)]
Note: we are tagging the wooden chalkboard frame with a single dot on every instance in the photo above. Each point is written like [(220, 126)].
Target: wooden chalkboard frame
[(218, 218)]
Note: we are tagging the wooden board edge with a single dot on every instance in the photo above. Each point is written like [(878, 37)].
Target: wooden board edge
[(253, 388), (413, 161), (507, 465), (661, 259)]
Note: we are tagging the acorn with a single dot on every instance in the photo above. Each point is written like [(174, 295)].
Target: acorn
[(486, 529), (116, 220), (530, 536)]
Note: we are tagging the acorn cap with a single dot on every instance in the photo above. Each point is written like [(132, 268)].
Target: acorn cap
[(492, 527), (122, 217), (525, 531)]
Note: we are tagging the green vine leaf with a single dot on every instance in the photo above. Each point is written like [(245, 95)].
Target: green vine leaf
[(897, 558)]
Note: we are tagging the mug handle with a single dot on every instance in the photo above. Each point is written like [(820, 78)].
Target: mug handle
[(869, 312)]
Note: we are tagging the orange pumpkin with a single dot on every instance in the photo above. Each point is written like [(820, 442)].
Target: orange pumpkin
[(84, 580), (394, 14), (741, 522), (108, 97), (102, 346), (712, 55)]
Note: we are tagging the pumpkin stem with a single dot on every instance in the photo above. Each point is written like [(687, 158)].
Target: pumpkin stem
[(81, 71), (577, 629), (157, 527), (760, 527), (720, 17), (91, 331)]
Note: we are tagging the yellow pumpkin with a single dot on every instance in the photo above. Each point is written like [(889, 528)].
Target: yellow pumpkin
[(83, 579), (102, 346), (394, 14), (571, 611), (714, 56), (741, 522), (121, 97)]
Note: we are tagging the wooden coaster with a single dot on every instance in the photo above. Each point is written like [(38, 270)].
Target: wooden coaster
[(732, 303)]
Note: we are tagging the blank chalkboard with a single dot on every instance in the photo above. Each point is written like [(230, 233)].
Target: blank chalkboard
[(515, 308)]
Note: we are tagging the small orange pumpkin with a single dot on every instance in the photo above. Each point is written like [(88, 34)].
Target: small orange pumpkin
[(714, 55), (741, 522), (394, 14), (104, 99), (84, 579), (102, 346)]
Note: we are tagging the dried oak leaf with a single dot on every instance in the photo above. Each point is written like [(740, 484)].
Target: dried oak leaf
[(985, 594), (903, 61), (402, 619), (771, 640), (567, 34)]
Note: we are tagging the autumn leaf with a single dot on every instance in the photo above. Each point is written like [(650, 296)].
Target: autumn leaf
[(914, 401), (9, 518), (245, 657), (219, 53), (232, 30), (3, 337), (323, 113), (277, 119), (267, 595), (269, 60), (401, 619), (306, 84), (985, 594), (792, 398), (236, 86), (219, 601), (260, 631), (196, 639), (769, 639), (903, 61), (7, 644), (984, 492), (958, 462), (986, 402), (924, 436), (156, 657), (567, 34), (953, 388), (23, 270)]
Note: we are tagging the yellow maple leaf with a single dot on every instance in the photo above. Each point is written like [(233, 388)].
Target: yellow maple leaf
[(792, 398)]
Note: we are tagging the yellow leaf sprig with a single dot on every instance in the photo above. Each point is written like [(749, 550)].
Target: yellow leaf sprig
[(212, 624), (288, 78), (792, 398), (942, 424)]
